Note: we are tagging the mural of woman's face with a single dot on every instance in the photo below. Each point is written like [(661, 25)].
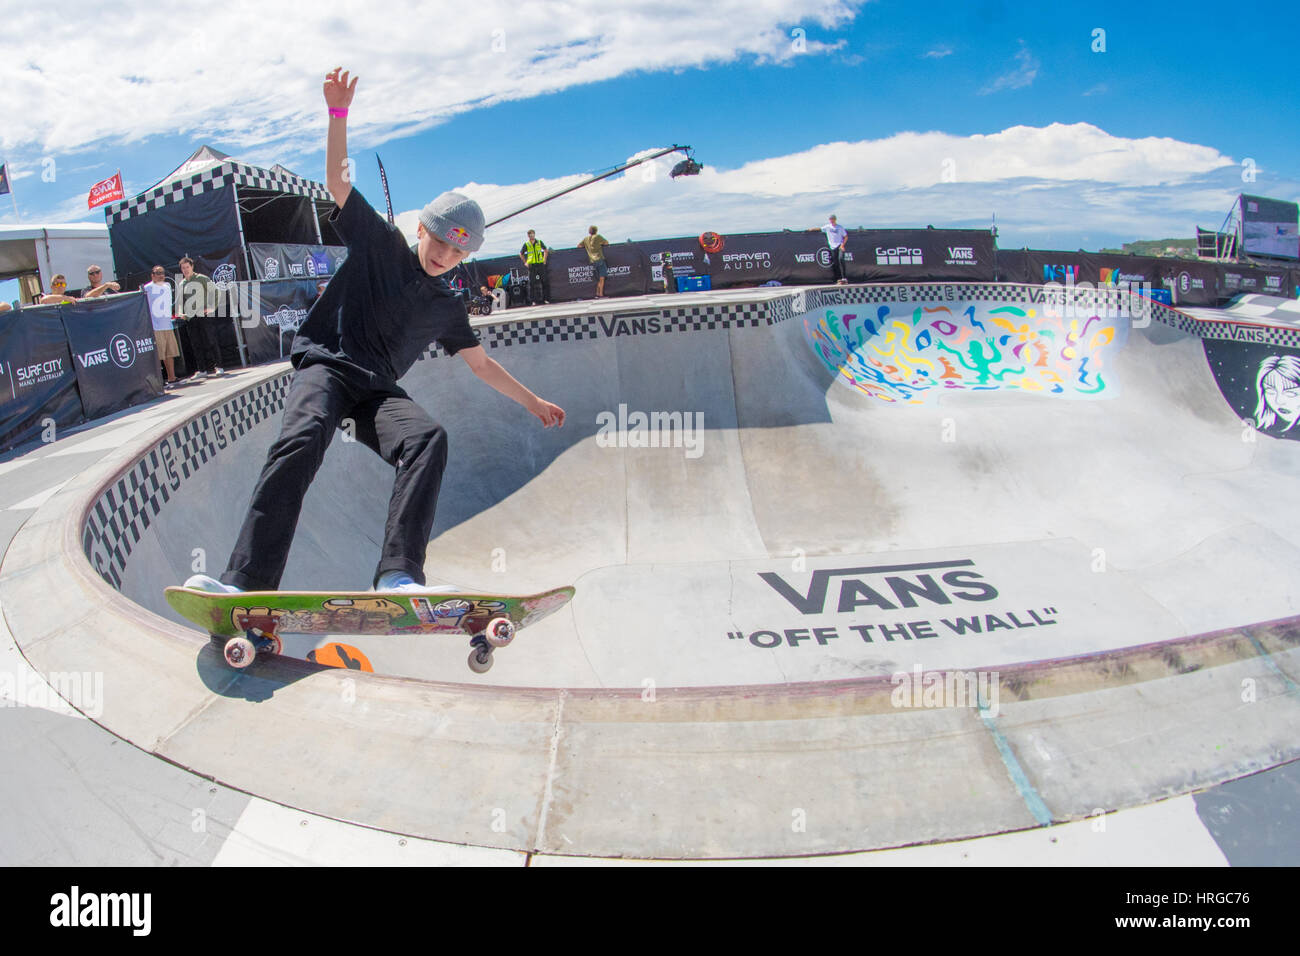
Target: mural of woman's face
[(1283, 397)]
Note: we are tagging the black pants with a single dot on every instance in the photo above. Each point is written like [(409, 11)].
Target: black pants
[(321, 398), (537, 276), (204, 342), (837, 262)]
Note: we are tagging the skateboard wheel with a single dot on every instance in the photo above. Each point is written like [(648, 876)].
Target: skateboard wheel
[(239, 652), (500, 631), (480, 660)]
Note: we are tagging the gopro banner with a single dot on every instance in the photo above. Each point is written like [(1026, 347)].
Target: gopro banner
[(37, 384), (113, 352), (921, 255)]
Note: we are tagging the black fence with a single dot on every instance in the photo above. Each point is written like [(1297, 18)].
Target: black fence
[(64, 364)]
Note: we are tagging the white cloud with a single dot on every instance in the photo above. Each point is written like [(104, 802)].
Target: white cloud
[(938, 53), (1026, 69), (1045, 184), (248, 74)]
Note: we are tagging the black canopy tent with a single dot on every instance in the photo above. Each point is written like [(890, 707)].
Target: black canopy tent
[(211, 208)]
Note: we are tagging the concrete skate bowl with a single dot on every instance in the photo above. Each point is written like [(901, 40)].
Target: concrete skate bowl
[(784, 513)]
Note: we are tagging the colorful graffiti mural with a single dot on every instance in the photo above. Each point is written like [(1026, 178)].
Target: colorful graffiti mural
[(906, 352)]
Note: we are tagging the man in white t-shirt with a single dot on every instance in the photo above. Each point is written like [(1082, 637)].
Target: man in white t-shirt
[(161, 312), (836, 237)]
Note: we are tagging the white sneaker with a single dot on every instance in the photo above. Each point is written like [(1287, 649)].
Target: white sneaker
[(220, 371), (199, 376), (402, 582), (201, 582)]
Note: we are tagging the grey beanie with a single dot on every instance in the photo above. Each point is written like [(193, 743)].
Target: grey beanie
[(456, 220)]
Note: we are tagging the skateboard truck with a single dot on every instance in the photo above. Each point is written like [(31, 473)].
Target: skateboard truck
[(241, 650), (499, 632), (259, 635)]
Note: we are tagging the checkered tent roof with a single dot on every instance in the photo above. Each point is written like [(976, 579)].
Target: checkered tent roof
[(230, 172)]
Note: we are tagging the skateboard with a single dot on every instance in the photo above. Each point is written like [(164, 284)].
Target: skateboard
[(247, 624)]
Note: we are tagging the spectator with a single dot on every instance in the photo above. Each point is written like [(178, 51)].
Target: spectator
[(534, 254), (196, 297), (5, 307), (836, 237), (95, 286), (481, 304), (164, 334), (58, 292), (669, 284), (595, 245)]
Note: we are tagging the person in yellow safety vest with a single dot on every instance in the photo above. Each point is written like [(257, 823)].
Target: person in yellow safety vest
[(534, 255)]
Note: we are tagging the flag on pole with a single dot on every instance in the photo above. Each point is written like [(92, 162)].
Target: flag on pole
[(383, 178), (108, 190), (4, 178)]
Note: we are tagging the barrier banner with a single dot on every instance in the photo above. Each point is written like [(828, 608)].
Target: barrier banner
[(282, 260), (1260, 382), (37, 382), (1254, 279), (1190, 282), (751, 259), (1013, 266), (281, 307), (758, 258), (920, 255), (113, 352), (573, 276)]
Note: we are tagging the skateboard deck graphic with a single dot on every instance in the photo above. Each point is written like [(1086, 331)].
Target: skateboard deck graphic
[(250, 622)]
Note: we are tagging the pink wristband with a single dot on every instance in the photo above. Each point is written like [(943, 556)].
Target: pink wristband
[(338, 112)]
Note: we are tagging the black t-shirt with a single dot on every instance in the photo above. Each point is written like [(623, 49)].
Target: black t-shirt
[(380, 309)]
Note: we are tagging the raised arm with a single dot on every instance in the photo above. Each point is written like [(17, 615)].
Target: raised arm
[(338, 97)]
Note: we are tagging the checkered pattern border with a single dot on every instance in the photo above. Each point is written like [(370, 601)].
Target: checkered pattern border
[(218, 177), (126, 508), (587, 327), (1230, 331)]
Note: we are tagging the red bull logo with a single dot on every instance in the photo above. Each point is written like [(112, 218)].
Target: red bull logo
[(458, 235)]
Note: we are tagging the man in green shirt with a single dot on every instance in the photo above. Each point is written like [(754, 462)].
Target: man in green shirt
[(196, 306), (595, 244), (534, 254)]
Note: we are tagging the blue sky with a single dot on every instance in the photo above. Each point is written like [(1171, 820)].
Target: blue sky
[(887, 113)]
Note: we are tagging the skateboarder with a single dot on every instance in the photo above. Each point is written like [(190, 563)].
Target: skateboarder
[(365, 331)]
